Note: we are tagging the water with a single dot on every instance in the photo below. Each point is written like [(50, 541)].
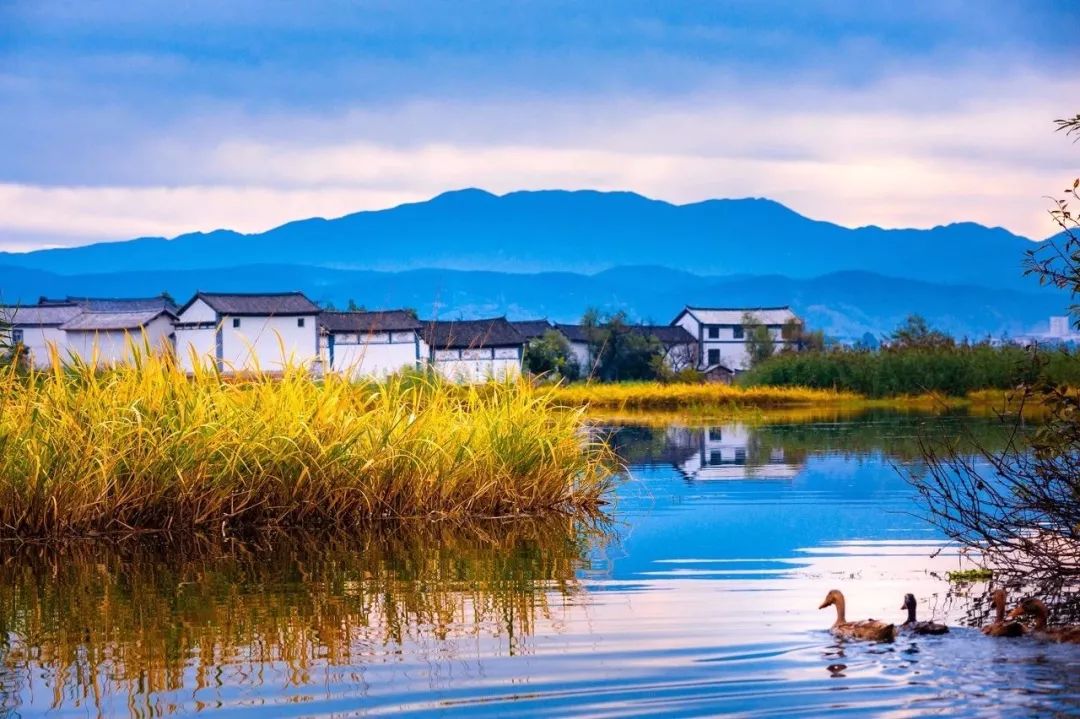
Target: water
[(699, 598)]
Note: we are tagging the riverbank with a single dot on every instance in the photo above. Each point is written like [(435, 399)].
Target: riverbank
[(145, 447), (718, 401)]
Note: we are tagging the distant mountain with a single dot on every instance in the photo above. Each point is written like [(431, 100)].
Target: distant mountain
[(844, 304), (581, 231)]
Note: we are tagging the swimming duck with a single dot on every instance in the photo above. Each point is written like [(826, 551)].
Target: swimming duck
[(869, 629), (1035, 608), (1000, 627), (916, 627)]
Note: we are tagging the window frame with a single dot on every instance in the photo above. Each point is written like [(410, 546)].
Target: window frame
[(738, 332), (713, 353), (714, 332), (236, 323)]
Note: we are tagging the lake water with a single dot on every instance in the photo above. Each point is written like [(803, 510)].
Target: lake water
[(698, 598)]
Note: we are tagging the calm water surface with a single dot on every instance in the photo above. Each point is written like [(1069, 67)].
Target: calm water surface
[(700, 598)]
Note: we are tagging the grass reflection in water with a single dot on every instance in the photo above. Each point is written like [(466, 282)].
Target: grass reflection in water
[(88, 621)]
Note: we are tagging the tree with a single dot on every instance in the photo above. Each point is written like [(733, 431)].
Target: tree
[(353, 307), (759, 341), (550, 355), (799, 339), (1020, 507), (620, 351), (916, 333)]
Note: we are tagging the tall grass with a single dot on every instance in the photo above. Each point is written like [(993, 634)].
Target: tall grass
[(145, 446), (951, 370), (657, 396)]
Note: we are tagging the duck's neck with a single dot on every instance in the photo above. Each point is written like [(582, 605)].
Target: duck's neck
[(1040, 618), (1000, 608), (910, 614), (840, 618)]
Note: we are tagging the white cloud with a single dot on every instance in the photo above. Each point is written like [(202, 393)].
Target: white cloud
[(906, 151)]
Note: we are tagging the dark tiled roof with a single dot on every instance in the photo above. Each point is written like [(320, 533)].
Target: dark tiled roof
[(531, 329), (389, 320), (280, 303), (667, 334), (114, 304), (574, 333), (40, 316), (472, 334), (100, 321)]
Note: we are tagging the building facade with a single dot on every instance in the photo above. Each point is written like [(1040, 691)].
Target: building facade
[(721, 333), (371, 344), (247, 332), (473, 351)]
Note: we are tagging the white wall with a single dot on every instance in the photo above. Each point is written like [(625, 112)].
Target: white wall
[(373, 355), (203, 342), (258, 342), (475, 366), (198, 311), (113, 346), (36, 340), (733, 354), (581, 353)]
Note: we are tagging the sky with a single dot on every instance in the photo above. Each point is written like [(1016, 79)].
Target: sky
[(121, 119)]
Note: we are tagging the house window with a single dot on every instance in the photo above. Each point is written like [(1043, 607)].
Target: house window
[(714, 357), (17, 336), (737, 332), (715, 434), (714, 333), (716, 457), (236, 322), (300, 322)]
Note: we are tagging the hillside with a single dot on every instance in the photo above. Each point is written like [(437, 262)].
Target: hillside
[(583, 231)]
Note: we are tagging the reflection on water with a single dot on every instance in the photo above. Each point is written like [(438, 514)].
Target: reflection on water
[(700, 598)]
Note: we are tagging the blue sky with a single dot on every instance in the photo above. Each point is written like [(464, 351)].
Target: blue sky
[(121, 119)]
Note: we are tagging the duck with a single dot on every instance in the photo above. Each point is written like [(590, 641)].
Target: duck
[(914, 626), (1000, 627), (869, 629), (1069, 633)]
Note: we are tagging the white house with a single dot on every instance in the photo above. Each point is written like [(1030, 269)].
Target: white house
[(721, 334), (473, 351), (247, 332), (371, 344), (107, 338), (578, 338), (37, 327)]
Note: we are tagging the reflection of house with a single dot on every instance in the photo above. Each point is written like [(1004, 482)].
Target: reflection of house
[(371, 344), (721, 332), (730, 451), (474, 350), (245, 332)]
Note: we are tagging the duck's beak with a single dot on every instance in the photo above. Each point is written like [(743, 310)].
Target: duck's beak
[(824, 604)]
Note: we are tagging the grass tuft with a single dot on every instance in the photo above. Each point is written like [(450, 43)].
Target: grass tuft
[(146, 447)]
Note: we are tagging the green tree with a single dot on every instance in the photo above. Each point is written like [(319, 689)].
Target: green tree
[(353, 307), (916, 333), (550, 355), (620, 351), (759, 341)]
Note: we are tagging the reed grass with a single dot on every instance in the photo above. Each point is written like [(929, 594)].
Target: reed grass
[(700, 397), (145, 446)]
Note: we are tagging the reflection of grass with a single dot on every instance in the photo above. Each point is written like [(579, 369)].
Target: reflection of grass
[(137, 619), (961, 576), (146, 447)]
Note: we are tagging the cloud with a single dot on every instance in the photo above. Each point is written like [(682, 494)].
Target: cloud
[(118, 121)]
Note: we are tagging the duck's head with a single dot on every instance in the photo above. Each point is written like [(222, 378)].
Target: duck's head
[(1030, 606), (835, 596), (997, 598), (909, 602)]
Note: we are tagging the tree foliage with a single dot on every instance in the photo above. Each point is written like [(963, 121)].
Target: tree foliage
[(619, 350), (759, 341), (550, 355)]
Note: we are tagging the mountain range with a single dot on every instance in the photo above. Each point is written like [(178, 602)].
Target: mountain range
[(555, 253)]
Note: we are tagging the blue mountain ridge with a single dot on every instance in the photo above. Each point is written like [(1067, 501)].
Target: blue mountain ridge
[(844, 304), (577, 231)]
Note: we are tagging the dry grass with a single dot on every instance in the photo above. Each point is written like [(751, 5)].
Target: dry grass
[(147, 447), (657, 396)]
